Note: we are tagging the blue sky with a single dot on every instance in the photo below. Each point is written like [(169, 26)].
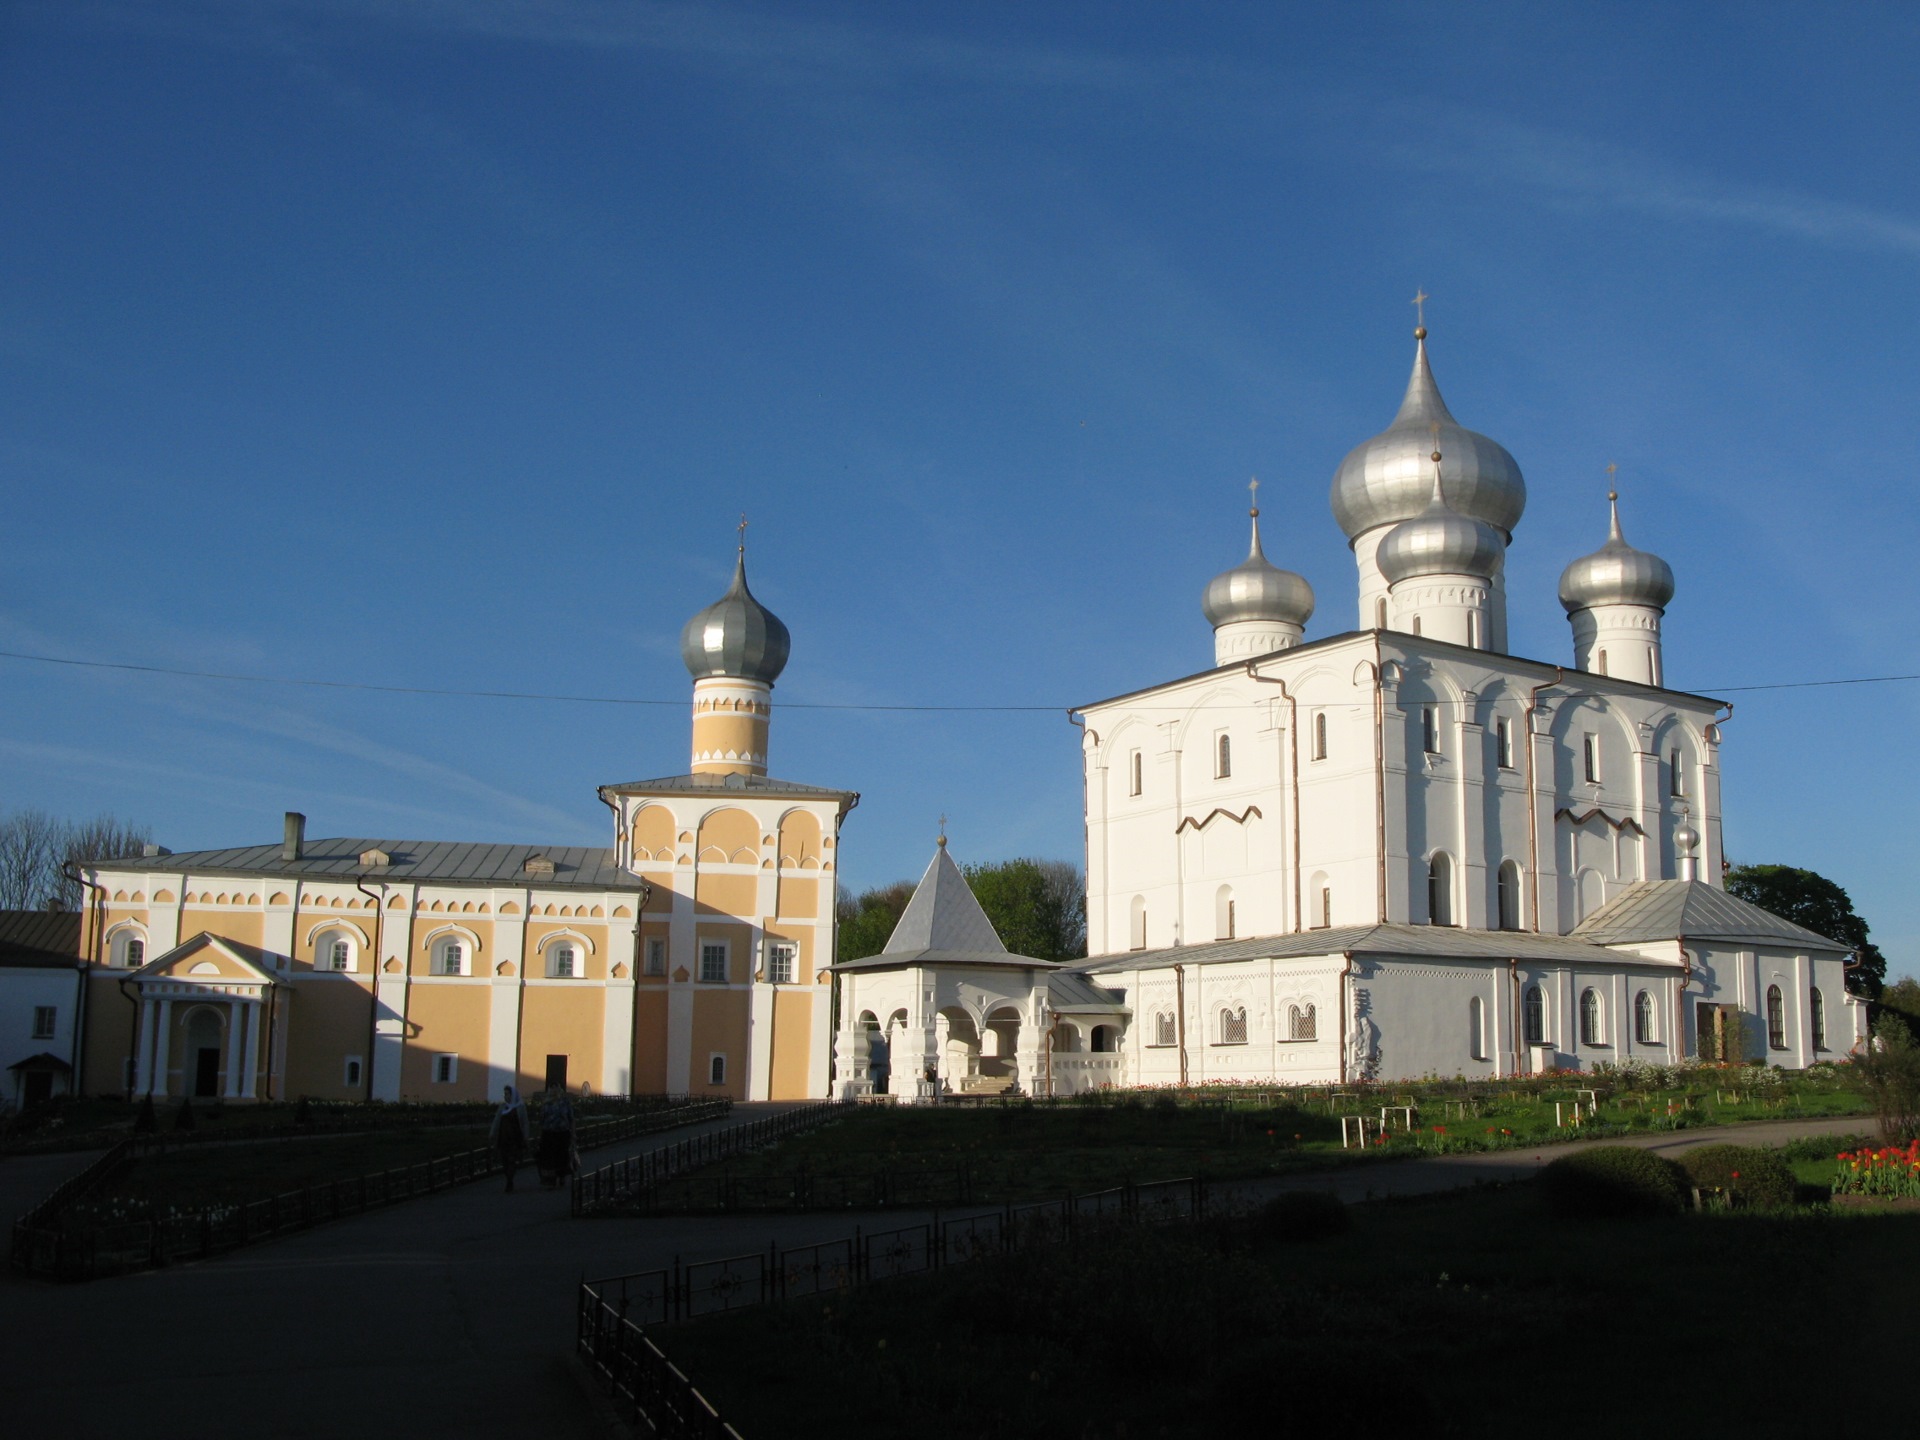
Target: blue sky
[(439, 343)]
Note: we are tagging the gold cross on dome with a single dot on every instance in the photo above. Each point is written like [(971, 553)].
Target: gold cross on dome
[(1613, 492), (943, 832), (1253, 490), (743, 529), (1420, 307)]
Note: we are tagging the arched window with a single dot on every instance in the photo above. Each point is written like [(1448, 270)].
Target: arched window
[(1776, 1019), (1102, 1040), (1506, 888), (129, 949), (1603, 662), (1134, 773), (1222, 758), (333, 952), (1233, 1026), (1477, 1028), (563, 961), (1416, 624), (1440, 889), (1533, 1007), (1223, 914), (1644, 1030), (1164, 1032), (1430, 729), (1473, 630), (1593, 1026), (1817, 1013), (1326, 907), (1320, 735), (451, 957), (1380, 613), (1138, 922), (1302, 1023)]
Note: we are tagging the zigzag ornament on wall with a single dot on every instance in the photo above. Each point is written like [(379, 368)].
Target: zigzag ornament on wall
[(1252, 812)]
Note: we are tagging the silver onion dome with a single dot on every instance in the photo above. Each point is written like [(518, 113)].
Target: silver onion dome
[(1386, 479), (1616, 573), (1257, 589), (1440, 540), (736, 636)]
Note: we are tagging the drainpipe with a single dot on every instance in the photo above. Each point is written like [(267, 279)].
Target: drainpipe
[(1180, 1016), (1346, 973), (271, 1006), (1533, 792), (639, 963), (1678, 1049), (133, 1046), (373, 990), (1513, 1012), (1293, 741), (1713, 735), (98, 903), (1075, 719), (1379, 779)]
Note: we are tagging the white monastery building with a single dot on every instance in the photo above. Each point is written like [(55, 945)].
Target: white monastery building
[(1390, 852)]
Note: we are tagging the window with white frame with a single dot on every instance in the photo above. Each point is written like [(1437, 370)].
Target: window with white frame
[(1776, 1019), (1676, 772), (351, 1072), (656, 957), (1303, 1023), (1503, 742), (1645, 1030), (1533, 1015), (1506, 896), (1320, 735), (1440, 889), (564, 961), (1602, 666), (446, 1069), (45, 1018), (1430, 729), (1817, 1014), (1326, 907), (1593, 1018), (334, 953), (1590, 754), (1135, 772), (1477, 1028), (129, 950), (716, 1069), (452, 956), (1233, 1026), (1164, 1030), (782, 957), (1222, 757), (713, 962)]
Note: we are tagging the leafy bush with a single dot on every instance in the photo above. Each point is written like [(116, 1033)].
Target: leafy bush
[(183, 1117), (1744, 1174), (1888, 1071), (1614, 1180), (1302, 1215)]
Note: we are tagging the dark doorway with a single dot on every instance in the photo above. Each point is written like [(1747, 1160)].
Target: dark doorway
[(39, 1087), (556, 1072), (206, 1071)]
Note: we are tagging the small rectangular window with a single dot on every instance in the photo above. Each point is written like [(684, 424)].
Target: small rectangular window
[(1326, 907), (1676, 774), (136, 954), (716, 1069), (1222, 757), (1430, 729), (350, 1072), (446, 1069), (780, 961), (656, 957), (713, 963), (1134, 773), (1503, 742), (1320, 735), (45, 1017), (1590, 748)]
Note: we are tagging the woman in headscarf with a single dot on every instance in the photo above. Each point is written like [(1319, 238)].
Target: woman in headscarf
[(556, 1137), (509, 1133)]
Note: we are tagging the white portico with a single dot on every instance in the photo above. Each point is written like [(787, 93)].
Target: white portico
[(211, 1022)]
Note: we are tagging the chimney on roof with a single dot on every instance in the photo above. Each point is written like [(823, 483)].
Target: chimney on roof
[(296, 836)]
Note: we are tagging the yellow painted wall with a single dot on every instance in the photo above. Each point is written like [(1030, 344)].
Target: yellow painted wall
[(729, 835), (799, 897), (650, 1044), (330, 1022), (719, 1023), (792, 1039), (248, 928), (446, 1019), (562, 1020), (800, 839), (726, 894), (109, 1034), (653, 832)]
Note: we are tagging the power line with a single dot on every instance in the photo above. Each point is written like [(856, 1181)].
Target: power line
[(785, 705)]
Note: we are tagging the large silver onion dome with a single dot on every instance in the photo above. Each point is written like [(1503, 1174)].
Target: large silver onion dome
[(1440, 540), (1257, 589), (1387, 478), (1616, 574), (736, 636)]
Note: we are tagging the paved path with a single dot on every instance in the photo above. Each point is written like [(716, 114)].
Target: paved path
[(450, 1315)]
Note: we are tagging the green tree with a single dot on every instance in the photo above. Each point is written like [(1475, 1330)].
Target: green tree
[(1888, 1070), (1038, 907), (866, 920), (1902, 999), (1823, 907)]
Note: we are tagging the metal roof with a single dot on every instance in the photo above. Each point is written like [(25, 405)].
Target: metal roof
[(39, 939), (1070, 991), (943, 924), (1425, 941), (439, 861), (1673, 909), (744, 784)]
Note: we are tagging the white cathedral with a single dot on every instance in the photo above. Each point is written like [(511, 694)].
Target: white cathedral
[(1393, 852)]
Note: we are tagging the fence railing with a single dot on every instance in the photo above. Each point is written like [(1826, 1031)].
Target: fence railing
[(799, 1190), (49, 1241), (613, 1314), (598, 1190)]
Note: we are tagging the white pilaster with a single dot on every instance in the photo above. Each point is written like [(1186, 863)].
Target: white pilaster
[(249, 1020), (236, 1020), (163, 1036)]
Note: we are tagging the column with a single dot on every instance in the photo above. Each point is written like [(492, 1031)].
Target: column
[(236, 1018), (143, 1047), (250, 1049), (163, 1033)]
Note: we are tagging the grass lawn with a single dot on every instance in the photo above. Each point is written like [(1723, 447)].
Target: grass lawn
[(1016, 1151), (1464, 1313)]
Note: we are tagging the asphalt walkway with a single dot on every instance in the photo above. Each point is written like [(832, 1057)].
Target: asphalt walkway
[(451, 1315)]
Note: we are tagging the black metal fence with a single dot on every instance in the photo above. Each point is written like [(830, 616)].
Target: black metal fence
[(799, 1190), (601, 1191), (613, 1313), (48, 1240)]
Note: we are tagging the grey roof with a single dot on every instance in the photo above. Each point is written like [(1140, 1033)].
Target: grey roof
[(736, 635), (1436, 941), (745, 784), (943, 924), (39, 939), (1692, 909), (439, 861), (1070, 991)]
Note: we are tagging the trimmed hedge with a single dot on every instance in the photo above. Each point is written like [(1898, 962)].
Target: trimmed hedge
[(1613, 1180), (1746, 1175)]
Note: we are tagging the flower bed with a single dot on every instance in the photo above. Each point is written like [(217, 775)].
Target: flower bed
[(1888, 1172)]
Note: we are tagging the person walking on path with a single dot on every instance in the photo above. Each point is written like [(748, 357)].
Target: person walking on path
[(509, 1133), (556, 1137)]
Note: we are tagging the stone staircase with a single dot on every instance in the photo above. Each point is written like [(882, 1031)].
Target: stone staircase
[(986, 1085)]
